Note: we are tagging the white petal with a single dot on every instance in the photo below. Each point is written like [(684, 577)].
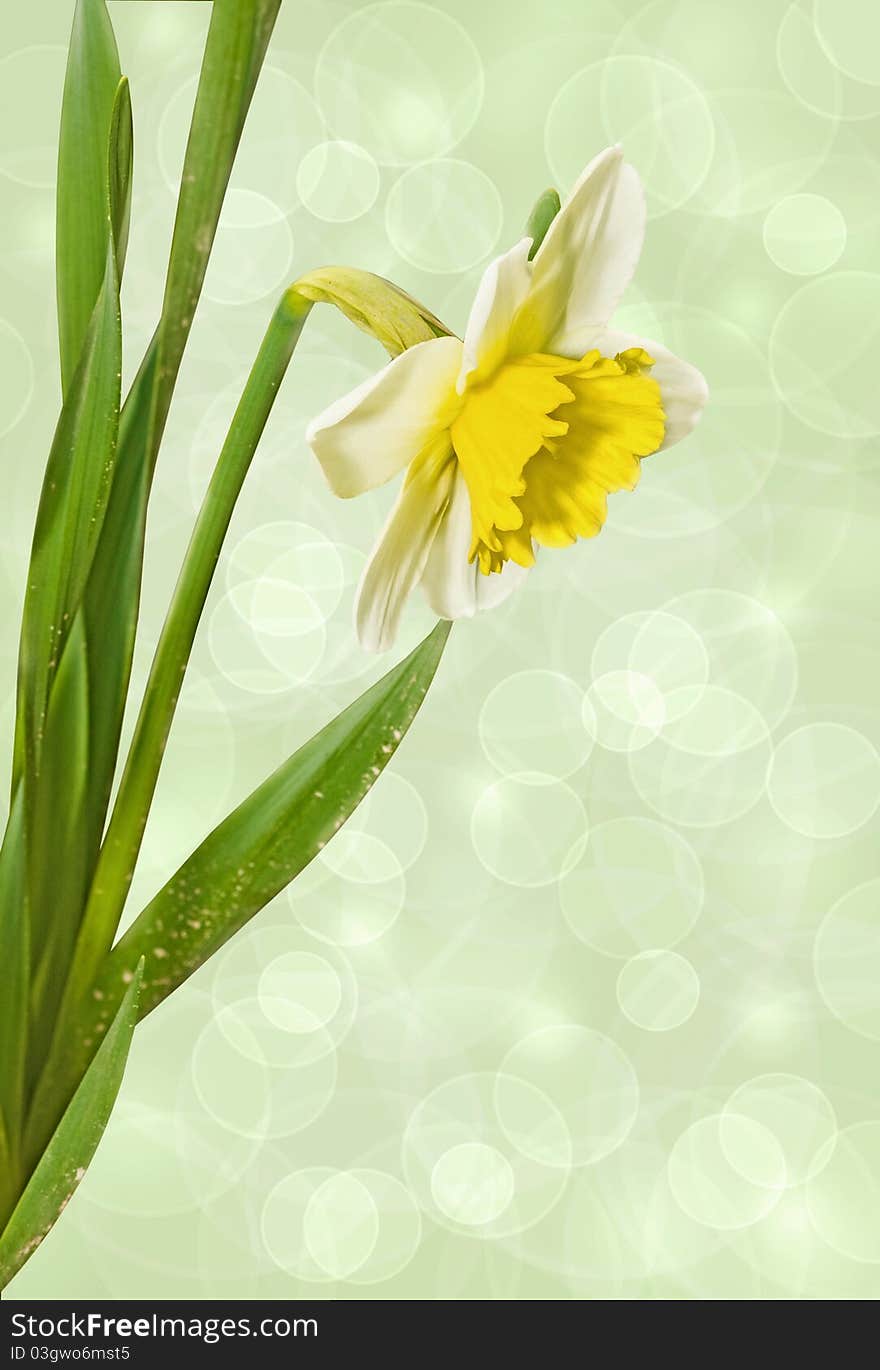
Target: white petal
[(399, 557), (367, 436), (453, 587), (493, 590), (586, 261), (683, 388), (503, 289)]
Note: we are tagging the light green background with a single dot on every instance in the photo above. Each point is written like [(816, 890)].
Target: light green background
[(584, 1002)]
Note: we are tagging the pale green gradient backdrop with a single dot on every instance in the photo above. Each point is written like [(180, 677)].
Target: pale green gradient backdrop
[(584, 1002)]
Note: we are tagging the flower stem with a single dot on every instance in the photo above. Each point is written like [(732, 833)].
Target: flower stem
[(137, 787)]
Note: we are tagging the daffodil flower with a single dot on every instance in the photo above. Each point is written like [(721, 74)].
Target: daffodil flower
[(513, 438)]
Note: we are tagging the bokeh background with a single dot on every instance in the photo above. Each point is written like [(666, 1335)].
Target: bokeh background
[(584, 1001)]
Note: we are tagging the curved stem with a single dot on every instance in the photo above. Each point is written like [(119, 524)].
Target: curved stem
[(126, 828)]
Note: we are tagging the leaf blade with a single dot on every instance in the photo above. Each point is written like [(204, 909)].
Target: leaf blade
[(120, 170), (90, 90), (73, 1143), (276, 832), (257, 837), (15, 958), (69, 519)]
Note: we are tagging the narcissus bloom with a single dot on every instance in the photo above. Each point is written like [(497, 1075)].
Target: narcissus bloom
[(512, 439)]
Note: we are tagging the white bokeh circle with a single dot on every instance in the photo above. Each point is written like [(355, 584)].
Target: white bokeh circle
[(283, 125), (844, 1198), (748, 646), (528, 835), (659, 647), (403, 80), (638, 887), (531, 725), (252, 254), (811, 75), (257, 1080), (846, 959), (710, 766), (458, 1158), (340, 1225), (658, 990), (726, 1171), (824, 780), (849, 32), (824, 375), (804, 234), (473, 1184), (624, 710), (589, 1081), (293, 996), (799, 1115), (353, 893), (444, 216), (300, 992), (651, 106), (322, 1225), (338, 181)]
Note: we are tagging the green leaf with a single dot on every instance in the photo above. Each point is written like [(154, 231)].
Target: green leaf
[(72, 505), (79, 474), (90, 91), (15, 961), (120, 170), (110, 602), (52, 723), (58, 841), (246, 861), (275, 833), (73, 1143)]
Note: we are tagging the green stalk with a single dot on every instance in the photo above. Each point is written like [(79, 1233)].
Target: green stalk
[(236, 45), (137, 787), (238, 36)]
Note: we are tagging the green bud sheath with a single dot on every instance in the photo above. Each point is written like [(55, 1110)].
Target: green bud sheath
[(547, 206)]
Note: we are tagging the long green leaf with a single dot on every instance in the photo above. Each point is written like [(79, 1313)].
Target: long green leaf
[(237, 39), (246, 861), (120, 170), (110, 602), (90, 89), (15, 960), (57, 841), (53, 716), (74, 1142), (255, 852), (52, 723), (71, 511), (93, 232)]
